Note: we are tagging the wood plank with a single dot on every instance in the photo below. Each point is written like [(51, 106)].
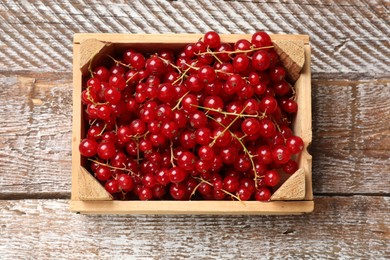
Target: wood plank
[(354, 227), (172, 38), (192, 207), (351, 38), (350, 135), (351, 171), (35, 139), (351, 114)]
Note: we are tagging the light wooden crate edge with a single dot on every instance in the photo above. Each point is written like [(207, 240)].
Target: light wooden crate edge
[(270, 208)]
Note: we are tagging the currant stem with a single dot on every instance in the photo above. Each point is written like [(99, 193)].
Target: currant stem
[(112, 167), (179, 101), (224, 191), (227, 128), (226, 113), (194, 191), (250, 156), (183, 74), (214, 55), (135, 74), (119, 62), (170, 63), (234, 52), (172, 157), (104, 128)]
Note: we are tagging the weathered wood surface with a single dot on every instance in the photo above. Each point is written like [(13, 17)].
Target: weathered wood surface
[(340, 227), (351, 133), (349, 36)]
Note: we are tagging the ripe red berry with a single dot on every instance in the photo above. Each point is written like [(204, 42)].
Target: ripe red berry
[(250, 126), (281, 154), (112, 186), (271, 178), (88, 147), (262, 194), (212, 39), (177, 174), (261, 39), (125, 182), (106, 150), (261, 60), (295, 144)]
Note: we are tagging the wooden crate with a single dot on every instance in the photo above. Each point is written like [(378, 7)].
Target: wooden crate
[(294, 196)]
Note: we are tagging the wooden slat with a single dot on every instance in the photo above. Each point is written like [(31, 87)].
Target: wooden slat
[(35, 135), (193, 207), (351, 114), (351, 38), (170, 38), (354, 227)]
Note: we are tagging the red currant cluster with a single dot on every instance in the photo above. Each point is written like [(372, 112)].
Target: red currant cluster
[(211, 121)]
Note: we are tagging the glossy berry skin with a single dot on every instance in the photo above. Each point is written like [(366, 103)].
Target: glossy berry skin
[(281, 154), (145, 194), (166, 92), (187, 139), (149, 180), (290, 106), (186, 160), (88, 147), (103, 173), (169, 129), (155, 66), (206, 153), (229, 155), (277, 73), (242, 45), (177, 174), (125, 182), (213, 102), (261, 60), (189, 103), (290, 167), (162, 177), (206, 74), (271, 178), (261, 39), (295, 144), (250, 126), (240, 62), (262, 194), (137, 61), (106, 150), (112, 186), (212, 39), (102, 74), (267, 128), (178, 191), (268, 105), (231, 184), (244, 193), (198, 119)]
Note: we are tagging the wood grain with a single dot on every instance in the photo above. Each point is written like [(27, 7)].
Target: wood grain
[(351, 136), (350, 37), (334, 230), (35, 140), (351, 140)]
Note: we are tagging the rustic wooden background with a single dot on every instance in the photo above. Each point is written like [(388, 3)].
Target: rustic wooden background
[(351, 133)]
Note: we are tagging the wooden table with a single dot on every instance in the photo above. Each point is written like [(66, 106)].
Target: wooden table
[(351, 133)]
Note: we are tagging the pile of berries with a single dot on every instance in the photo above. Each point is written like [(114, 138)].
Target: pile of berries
[(211, 121)]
